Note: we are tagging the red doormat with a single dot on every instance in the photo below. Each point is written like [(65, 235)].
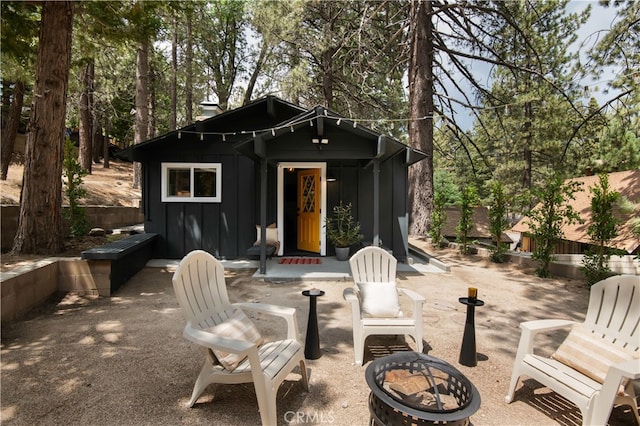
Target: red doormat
[(300, 261)]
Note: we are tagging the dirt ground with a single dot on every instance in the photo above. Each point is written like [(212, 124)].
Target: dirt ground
[(105, 187), (122, 360)]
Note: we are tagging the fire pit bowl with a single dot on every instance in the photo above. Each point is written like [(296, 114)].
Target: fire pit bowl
[(410, 388)]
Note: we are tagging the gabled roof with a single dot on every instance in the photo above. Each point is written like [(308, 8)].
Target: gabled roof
[(271, 118), (321, 123), (627, 184), (229, 126)]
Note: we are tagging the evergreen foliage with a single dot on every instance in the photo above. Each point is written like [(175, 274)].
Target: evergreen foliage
[(73, 172), (602, 230), (498, 221), (532, 120), (547, 218), (438, 219)]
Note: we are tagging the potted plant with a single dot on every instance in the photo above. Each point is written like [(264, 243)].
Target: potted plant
[(343, 230)]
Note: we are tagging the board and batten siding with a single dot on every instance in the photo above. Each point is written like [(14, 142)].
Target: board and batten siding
[(225, 229)]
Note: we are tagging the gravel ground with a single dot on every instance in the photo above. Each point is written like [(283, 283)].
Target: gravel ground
[(123, 360)]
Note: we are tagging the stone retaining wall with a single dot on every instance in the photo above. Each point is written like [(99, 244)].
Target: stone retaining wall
[(24, 288), (106, 217)]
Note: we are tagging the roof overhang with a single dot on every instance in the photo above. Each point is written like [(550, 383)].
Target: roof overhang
[(319, 126)]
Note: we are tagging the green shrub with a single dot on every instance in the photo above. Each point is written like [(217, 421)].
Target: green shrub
[(73, 174)]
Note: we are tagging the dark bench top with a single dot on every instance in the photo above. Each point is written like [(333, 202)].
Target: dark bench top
[(118, 249), (255, 250)]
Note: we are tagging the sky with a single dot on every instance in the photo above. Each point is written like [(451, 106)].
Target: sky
[(601, 19)]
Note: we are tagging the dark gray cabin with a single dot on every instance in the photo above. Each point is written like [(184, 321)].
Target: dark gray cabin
[(207, 185)]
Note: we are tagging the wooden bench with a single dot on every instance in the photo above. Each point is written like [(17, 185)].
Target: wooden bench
[(124, 258), (254, 251)]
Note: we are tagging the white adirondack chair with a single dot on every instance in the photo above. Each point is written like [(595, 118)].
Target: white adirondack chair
[(612, 327), (375, 265), (200, 287)]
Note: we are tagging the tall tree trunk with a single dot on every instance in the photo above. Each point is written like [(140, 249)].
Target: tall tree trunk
[(96, 124), (142, 105), (421, 115), (188, 64), (151, 131), (327, 77), (10, 131), (327, 57), (6, 102), (173, 89), (528, 118), (105, 142), (85, 149), (256, 72), (40, 223)]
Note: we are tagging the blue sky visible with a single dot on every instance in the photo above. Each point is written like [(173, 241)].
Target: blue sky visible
[(600, 21)]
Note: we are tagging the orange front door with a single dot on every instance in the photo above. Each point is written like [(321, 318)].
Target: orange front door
[(309, 210)]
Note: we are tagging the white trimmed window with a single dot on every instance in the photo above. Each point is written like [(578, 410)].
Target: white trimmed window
[(192, 182)]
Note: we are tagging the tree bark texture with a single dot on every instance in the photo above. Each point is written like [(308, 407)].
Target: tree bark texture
[(105, 142), (142, 105), (96, 124), (256, 72), (40, 222), (151, 129), (11, 125), (188, 64), (173, 90), (85, 128), (421, 115), (6, 102)]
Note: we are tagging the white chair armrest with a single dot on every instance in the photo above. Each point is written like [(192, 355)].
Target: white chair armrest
[(412, 294), (213, 341), (602, 409), (629, 369), (417, 299), (545, 325), (531, 328), (287, 313), (265, 308), (349, 294)]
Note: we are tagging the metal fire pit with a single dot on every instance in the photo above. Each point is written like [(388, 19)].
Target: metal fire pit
[(409, 388)]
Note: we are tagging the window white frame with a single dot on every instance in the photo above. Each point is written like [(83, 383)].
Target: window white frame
[(190, 198)]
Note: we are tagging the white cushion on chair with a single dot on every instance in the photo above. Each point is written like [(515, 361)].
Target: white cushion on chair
[(238, 327), (272, 235), (584, 351), (379, 299)]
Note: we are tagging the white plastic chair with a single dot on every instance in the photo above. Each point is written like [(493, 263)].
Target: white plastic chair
[(613, 317), (199, 284), (375, 265)]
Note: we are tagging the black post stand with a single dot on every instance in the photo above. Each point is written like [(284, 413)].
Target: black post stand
[(468, 355), (312, 342)]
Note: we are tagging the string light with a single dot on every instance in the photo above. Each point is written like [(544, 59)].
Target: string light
[(291, 125), (635, 75)]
